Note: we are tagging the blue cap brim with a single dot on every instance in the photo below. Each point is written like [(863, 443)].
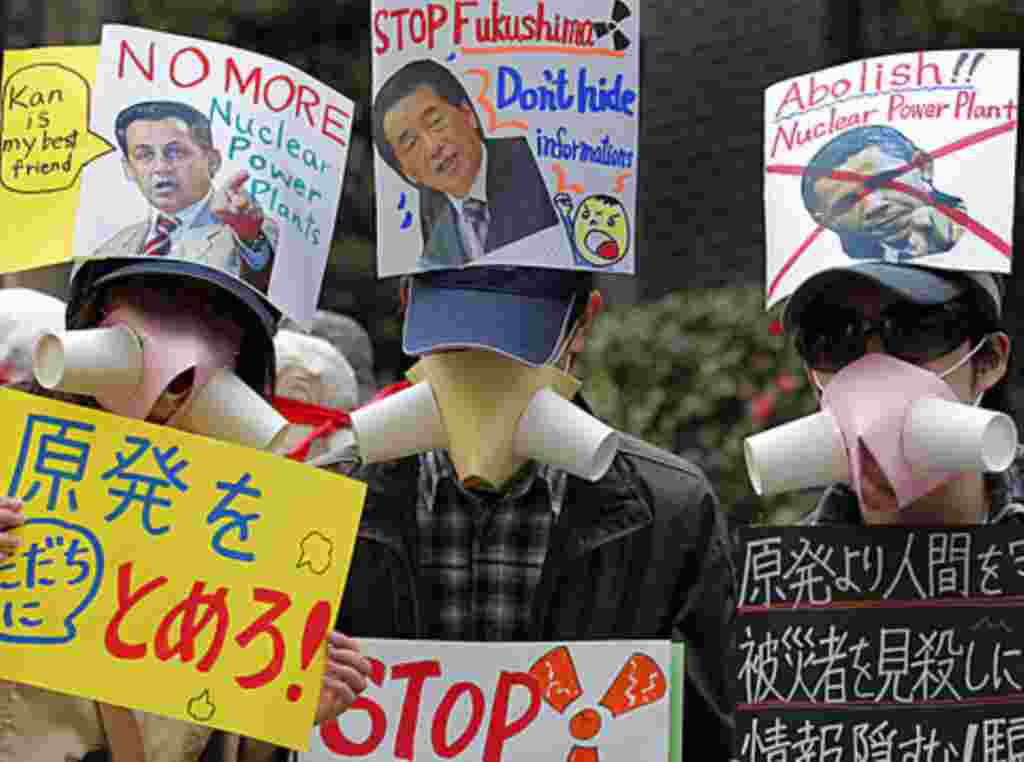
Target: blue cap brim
[(528, 328)]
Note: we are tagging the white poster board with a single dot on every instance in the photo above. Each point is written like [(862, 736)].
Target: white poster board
[(277, 134), (530, 108), (574, 701), (903, 158)]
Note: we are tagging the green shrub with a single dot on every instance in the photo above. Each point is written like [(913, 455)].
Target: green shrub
[(696, 373)]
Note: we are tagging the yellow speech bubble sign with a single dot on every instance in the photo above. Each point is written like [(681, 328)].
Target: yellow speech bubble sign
[(45, 139)]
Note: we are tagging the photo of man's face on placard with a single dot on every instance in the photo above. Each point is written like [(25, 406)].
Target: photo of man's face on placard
[(206, 169), (168, 152), (873, 187), (170, 157), (476, 194)]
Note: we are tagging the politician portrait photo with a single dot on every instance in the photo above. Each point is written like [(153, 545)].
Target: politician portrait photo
[(873, 187), (476, 193), (168, 153)]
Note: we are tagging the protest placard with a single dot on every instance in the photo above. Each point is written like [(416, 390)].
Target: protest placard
[(169, 572), (577, 701), (902, 158), (196, 124), (506, 133), (46, 142), (857, 643)]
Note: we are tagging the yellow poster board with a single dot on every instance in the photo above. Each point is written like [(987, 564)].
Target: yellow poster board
[(46, 141), (168, 572)]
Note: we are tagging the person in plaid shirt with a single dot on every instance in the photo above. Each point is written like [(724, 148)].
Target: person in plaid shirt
[(642, 552)]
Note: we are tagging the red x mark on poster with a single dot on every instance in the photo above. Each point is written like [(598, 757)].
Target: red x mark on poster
[(957, 215)]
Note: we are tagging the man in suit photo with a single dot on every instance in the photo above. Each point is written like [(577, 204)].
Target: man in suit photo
[(874, 188), (476, 194), (168, 152)]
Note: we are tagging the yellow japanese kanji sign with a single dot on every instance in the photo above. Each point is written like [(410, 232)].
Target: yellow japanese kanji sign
[(169, 572)]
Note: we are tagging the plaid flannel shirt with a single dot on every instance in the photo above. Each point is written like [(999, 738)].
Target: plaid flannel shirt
[(481, 555)]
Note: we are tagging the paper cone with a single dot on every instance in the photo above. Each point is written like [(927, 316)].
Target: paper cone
[(88, 361), (228, 410), (552, 430), (402, 424), (807, 452), (950, 436)]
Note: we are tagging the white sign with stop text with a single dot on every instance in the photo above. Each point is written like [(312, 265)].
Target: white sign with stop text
[(574, 701)]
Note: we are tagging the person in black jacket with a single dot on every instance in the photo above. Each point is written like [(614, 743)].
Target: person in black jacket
[(944, 322), (544, 556)]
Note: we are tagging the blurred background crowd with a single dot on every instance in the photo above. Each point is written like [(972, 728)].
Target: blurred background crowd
[(686, 357)]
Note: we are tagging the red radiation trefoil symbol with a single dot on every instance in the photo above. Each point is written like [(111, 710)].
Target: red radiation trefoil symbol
[(639, 682), (956, 215)]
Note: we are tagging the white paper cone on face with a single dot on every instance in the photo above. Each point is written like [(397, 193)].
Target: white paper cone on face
[(91, 361), (950, 436), (399, 425), (226, 408), (807, 452), (552, 430)]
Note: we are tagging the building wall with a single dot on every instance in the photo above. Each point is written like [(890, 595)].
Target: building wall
[(706, 65)]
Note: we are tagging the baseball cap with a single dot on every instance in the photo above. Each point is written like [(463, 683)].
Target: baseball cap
[(922, 286), (519, 312)]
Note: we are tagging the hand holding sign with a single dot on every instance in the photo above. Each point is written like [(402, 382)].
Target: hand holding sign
[(235, 207), (345, 677), (10, 518)]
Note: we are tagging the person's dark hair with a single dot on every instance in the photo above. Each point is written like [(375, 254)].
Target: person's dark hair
[(155, 111), (404, 82)]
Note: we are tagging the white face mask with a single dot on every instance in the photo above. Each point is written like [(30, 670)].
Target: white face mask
[(870, 400), (881, 411)]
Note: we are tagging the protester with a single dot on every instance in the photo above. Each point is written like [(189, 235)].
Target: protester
[(227, 325), (901, 321), (471, 542), (310, 372)]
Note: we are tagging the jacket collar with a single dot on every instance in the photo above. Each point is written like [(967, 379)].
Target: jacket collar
[(436, 467)]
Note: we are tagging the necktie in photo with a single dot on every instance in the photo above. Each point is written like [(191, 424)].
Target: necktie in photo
[(160, 242), (475, 212)]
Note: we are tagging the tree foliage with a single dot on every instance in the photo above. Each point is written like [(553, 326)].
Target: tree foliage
[(696, 373)]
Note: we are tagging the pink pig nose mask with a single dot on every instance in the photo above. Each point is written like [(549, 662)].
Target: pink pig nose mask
[(869, 399), (181, 350)]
